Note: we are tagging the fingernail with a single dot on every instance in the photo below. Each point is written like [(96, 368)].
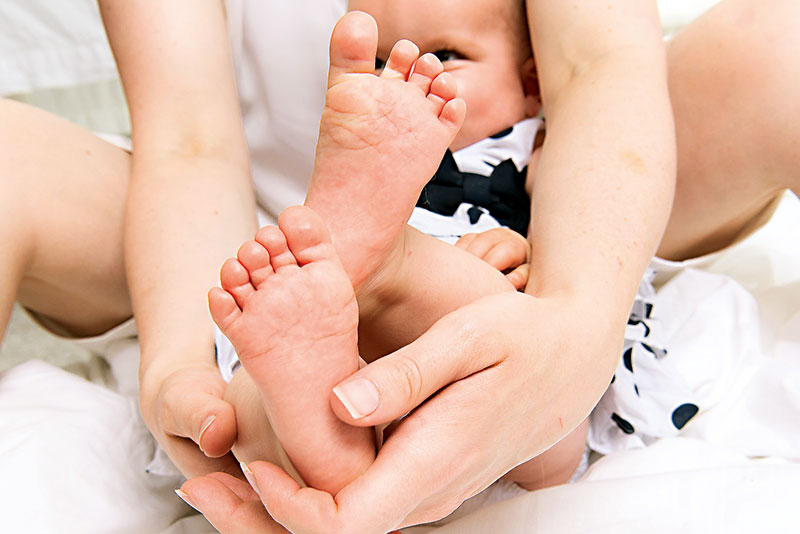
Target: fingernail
[(359, 396), (206, 424), (250, 478), (185, 498)]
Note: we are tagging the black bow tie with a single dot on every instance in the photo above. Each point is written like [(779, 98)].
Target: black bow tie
[(502, 193)]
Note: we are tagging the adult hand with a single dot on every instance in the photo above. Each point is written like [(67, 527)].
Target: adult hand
[(505, 378), (230, 504), (185, 411)]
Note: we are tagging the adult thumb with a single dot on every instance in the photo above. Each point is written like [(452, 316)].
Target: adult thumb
[(200, 415), (392, 386)]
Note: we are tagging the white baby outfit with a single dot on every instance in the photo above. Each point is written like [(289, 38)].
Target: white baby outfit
[(647, 398), (480, 187)]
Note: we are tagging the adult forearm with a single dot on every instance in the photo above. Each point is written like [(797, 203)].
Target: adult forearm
[(604, 187), (185, 216), (190, 200)]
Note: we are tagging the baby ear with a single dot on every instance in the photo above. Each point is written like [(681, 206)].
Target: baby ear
[(530, 85)]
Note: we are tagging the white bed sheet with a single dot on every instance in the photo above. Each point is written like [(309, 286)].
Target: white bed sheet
[(46, 44), (676, 486), (73, 456)]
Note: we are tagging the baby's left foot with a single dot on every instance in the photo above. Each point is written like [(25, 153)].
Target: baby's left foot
[(288, 308)]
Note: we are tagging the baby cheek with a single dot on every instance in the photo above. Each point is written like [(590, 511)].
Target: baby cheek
[(481, 120), (471, 132), (492, 106)]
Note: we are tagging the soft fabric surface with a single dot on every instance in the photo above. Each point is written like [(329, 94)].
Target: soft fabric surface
[(46, 44), (678, 485), (73, 457)]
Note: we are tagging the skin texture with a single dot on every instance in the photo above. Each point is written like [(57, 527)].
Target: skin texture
[(719, 81), (368, 121), (492, 66), (403, 386), (290, 311), (752, 127), (503, 249)]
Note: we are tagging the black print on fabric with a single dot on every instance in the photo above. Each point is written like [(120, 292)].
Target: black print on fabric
[(504, 133), (502, 194), (635, 322), (474, 214), (623, 425), (640, 346), (627, 359), (683, 413)]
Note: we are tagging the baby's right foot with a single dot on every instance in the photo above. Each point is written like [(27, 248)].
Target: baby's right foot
[(381, 139), (288, 308)]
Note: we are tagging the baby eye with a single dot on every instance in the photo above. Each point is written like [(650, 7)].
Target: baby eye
[(379, 64), (447, 55)]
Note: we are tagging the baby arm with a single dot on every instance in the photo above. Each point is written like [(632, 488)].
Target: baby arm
[(502, 248)]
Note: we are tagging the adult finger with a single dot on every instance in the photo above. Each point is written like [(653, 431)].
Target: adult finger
[(455, 347), (205, 419), (230, 504), (191, 461), (191, 406), (370, 504), (407, 484), (299, 509)]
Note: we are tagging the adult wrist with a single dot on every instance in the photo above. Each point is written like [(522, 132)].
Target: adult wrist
[(156, 371)]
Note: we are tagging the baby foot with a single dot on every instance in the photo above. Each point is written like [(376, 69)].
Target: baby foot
[(288, 308), (381, 139)]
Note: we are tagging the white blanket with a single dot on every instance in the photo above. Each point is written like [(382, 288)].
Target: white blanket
[(73, 457)]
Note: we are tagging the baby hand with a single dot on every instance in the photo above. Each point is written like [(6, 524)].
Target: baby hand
[(503, 249)]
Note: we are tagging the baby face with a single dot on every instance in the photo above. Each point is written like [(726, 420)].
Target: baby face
[(478, 43)]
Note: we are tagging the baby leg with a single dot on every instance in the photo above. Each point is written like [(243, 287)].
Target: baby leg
[(734, 77), (381, 140), (556, 465), (255, 439), (62, 199)]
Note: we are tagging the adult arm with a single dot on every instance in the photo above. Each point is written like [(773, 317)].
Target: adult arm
[(190, 203), (605, 180), (528, 370)]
